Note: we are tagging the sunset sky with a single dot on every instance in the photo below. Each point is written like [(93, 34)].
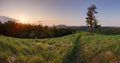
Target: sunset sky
[(69, 12)]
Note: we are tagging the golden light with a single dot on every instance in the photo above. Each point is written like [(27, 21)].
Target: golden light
[(22, 20)]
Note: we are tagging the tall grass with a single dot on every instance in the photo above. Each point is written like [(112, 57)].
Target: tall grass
[(35, 50), (80, 47), (99, 48)]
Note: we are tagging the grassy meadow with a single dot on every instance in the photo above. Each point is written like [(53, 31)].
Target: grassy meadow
[(36, 50), (75, 48)]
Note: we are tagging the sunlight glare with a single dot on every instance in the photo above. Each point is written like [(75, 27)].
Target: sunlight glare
[(22, 20)]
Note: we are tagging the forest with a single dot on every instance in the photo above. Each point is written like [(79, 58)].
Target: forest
[(20, 30)]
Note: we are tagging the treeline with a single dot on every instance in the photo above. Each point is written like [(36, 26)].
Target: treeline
[(15, 29), (109, 31)]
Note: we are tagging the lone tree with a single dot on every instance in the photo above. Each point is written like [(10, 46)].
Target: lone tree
[(91, 21)]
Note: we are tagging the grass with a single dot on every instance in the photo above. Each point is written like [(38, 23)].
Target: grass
[(35, 50), (99, 48), (75, 48)]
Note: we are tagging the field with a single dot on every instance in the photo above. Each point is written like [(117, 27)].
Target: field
[(75, 48)]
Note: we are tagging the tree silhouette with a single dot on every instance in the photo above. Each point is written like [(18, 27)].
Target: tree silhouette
[(19, 30), (91, 20)]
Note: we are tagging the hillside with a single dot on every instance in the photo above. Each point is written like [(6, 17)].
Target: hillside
[(74, 48), (99, 48), (35, 50)]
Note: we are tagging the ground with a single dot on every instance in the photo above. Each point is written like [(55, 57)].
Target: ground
[(80, 47)]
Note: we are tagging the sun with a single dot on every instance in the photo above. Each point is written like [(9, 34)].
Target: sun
[(23, 20)]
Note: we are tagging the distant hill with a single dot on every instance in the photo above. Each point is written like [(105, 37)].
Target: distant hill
[(85, 28), (5, 19)]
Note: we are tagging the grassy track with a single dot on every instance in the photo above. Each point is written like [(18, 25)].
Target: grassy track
[(71, 57)]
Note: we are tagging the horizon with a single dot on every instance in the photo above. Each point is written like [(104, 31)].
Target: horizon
[(67, 12)]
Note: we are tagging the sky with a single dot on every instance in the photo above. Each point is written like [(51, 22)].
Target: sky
[(68, 12)]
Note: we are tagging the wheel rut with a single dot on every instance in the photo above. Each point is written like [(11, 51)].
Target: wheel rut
[(72, 57)]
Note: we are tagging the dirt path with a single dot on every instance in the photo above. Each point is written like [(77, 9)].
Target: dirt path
[(73, 55)]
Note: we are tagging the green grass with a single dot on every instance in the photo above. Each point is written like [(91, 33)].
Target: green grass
[(75, 48), (99, 48), (36, 50)]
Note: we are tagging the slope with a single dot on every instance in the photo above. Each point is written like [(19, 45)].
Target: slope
[(48, 50), (99, 48)]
